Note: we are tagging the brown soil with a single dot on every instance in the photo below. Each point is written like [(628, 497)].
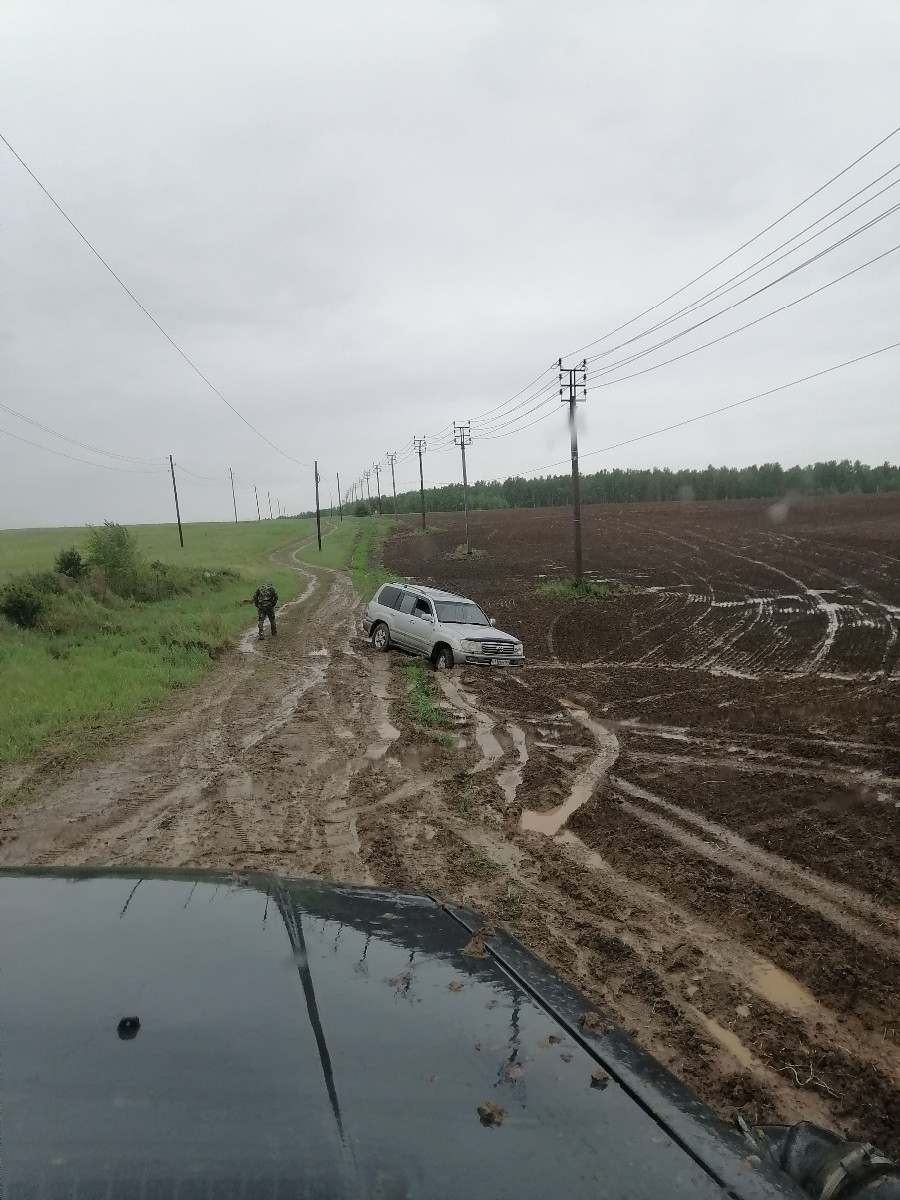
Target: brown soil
[(726, 886)]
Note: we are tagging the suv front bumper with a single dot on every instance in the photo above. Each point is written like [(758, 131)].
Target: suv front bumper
[(487, 660)]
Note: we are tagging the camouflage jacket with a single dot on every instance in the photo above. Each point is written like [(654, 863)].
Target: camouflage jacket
[(265, 596)]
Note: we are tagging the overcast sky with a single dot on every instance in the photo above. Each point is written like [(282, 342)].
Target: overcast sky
[(365, 219)]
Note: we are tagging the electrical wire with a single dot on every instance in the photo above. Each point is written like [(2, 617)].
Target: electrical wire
[(161, 470), (733, 253), (723, 408), (147, 313), (74, 441), (748, 325)]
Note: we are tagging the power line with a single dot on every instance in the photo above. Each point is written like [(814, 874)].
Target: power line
[(74, 441), (86, 461), (147, 313), (733, 253), (741, 328), (723, 408)]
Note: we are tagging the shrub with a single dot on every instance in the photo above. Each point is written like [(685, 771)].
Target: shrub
[(113, 549), (362, 509), (69, 562), (21, 604)]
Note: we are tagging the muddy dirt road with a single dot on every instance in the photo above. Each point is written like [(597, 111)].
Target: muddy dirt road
[(767, 983)]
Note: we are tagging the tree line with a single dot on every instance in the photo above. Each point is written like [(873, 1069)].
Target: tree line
[(642, 486)]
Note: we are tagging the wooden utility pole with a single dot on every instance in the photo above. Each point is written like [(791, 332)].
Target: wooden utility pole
[(420, 450), (177, 510), (318, 516), (269, 494), (392, 458), (233, 497), (368, 493), (377, 468), (462, 436), (572, 399), (256, 497), (340, 505)]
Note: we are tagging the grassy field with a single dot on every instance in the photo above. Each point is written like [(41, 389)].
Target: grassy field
[(92, 664), (243, 546)]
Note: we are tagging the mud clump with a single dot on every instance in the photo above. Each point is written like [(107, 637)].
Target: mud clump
[(491, 1113), (592, 1022), (475, 947), (400, 981), (455, 985), (599, 1079)]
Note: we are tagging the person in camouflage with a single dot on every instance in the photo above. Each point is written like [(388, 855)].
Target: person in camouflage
[(265, 598)]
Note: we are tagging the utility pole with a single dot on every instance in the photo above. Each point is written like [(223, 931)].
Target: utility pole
[(318, 517), (378, 486), (177, 512), (462, 436), (256, 496), (420, 450), (340, 506), (269, 494), (368, 493), (573, 373), (392, 458), (233, 497)]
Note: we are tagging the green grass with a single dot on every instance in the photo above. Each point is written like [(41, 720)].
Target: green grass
[(568, 589), (355, 542), (96, 660), (242, 545), (461, 553), (423, 697), (480, 864)]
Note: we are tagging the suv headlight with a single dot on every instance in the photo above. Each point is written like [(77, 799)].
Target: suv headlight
[(469, 647), (518, 648)]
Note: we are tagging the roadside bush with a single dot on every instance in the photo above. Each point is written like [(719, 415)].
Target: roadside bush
[(21, 604), (114, 549), (362, 509), (69, 562)]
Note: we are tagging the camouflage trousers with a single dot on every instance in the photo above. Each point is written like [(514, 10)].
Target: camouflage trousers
[(266, 610)]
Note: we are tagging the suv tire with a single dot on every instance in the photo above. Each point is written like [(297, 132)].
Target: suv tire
[(442, 658), (381, 637)]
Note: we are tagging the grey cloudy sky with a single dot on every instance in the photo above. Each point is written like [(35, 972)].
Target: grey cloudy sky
[(367, 218)]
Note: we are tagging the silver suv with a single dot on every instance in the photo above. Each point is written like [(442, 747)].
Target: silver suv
[(447, 629)]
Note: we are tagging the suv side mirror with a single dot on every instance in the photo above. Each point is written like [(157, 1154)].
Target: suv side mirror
[(493, 622)]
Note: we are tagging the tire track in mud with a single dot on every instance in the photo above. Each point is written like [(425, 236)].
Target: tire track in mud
[(651, 930)]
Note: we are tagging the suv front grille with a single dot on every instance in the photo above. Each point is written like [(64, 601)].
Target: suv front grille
[(495, 649)]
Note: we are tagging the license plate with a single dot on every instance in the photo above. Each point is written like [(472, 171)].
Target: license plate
[(499, 662)]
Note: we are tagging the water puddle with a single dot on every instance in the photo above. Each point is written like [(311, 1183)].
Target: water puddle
[(387, 734), (729, 1040), (491, 750), (550, 823), (589, 858), (783, 989), (510, 779)]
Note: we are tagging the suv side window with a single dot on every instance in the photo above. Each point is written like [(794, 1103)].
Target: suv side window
[(388, 596), (422, 609), (407, 602)]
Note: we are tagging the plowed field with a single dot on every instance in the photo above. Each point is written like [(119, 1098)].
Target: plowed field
[(702, 774)]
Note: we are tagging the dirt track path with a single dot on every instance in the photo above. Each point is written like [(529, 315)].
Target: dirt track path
[(297, 758)]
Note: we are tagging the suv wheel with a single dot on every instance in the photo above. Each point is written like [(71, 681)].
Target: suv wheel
[(443, 659), (381, 637)]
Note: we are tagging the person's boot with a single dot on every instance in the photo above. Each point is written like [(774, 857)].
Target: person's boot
[(274, 631)]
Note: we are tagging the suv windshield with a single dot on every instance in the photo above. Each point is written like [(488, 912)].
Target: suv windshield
[(458, 612)]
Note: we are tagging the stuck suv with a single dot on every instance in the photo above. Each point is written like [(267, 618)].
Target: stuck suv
[(447, 629)]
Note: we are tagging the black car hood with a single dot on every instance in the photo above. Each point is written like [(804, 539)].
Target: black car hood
[(294, 1039)]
